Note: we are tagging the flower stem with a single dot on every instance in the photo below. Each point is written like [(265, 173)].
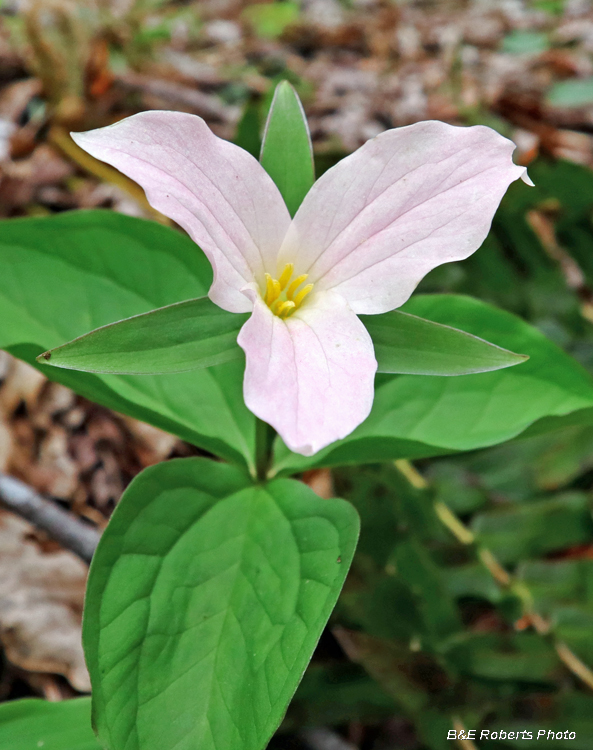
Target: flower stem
[(264, 439)]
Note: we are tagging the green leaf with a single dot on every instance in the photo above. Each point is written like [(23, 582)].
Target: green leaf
[(269, 20), (424, 578), (533, 529), (247, 135), (472, 580), (185, 336), (557, 583), (336, 692), (31, 724), (575, 92), (567, 712), (562, 592), (505, 657), (206, 597), (417, 416), (397, 668), (525, 42), (287, 153), (411, 345), (65, 275)]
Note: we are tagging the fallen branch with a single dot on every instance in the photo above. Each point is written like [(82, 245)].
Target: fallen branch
[(58, 524), (177, 94)]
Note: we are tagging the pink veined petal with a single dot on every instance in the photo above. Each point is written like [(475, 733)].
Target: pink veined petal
[(408, 200), (311, 376), (215, 190)]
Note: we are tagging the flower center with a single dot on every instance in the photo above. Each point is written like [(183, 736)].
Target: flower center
[(282, 295)]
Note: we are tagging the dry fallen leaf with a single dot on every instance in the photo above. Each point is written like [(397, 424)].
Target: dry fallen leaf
[(21, 383), (41, 598)]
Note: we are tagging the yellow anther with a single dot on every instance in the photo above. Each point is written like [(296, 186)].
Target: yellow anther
[(302, 294), (269, 288), (279, 298), (272, 290), (295, 285), (284, 310), (286, 274)]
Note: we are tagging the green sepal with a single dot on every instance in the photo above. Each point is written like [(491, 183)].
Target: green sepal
[(407, 344), (184, 336), (196, 333), (287, 153)]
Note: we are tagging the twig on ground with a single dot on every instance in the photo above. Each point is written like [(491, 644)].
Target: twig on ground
[(57, 523), (206, 105), (60, 138), (321, 738)]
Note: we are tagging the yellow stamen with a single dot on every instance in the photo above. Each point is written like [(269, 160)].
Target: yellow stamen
[(278, 294), (302, 294), (286, 274), (272, 290), (269, 287), (295, 285), (285, 309)]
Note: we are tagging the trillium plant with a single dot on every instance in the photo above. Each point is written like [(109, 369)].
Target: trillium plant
[(364, 235), (274, 339)]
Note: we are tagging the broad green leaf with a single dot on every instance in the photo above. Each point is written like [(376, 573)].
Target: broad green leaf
[(206, 597), (62, 276), (287, 153), (31, 724), (411, 345), (185, 336), (417, 416)]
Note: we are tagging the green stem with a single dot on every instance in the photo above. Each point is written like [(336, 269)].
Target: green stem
[(264, 439)]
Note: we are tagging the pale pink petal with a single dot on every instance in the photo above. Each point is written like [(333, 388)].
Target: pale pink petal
[(408, 200), (215, 190), (311, 376)]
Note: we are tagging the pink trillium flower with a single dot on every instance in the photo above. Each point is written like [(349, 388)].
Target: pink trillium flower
[(366, 233)]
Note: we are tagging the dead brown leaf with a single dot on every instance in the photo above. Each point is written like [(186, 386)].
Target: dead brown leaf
[(41, 598)]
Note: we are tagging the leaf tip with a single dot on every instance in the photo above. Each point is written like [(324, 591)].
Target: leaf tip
[(44, 357)]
